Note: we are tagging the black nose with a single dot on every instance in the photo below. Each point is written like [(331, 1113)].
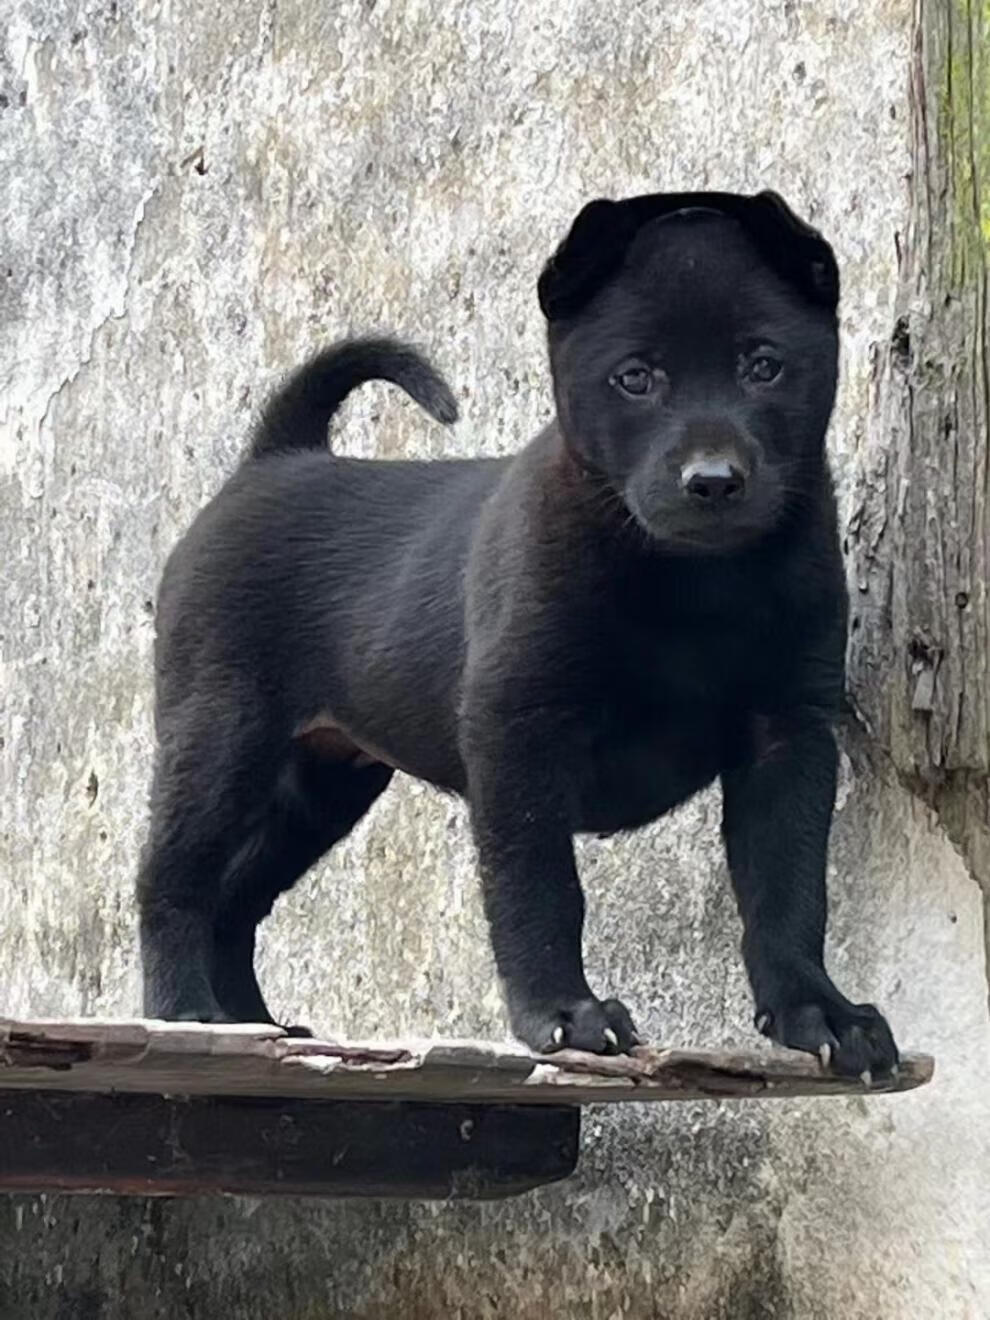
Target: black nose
[(713, 481)]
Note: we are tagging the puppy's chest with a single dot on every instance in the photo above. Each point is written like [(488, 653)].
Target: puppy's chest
[(640, 765), (700, 663), (670, 714)]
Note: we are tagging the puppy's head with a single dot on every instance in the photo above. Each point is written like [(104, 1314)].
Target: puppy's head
[(693, 344)]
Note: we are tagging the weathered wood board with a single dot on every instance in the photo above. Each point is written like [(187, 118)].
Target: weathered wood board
[(152, 1108), (190, 1059)]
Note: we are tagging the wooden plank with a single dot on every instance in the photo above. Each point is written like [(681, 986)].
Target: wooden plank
[(189, 1059), (150, 1145)]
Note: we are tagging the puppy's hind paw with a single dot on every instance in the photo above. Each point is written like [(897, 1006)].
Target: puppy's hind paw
[(295, 1029)]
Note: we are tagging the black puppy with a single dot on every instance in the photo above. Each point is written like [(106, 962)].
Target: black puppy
[(650, 595)]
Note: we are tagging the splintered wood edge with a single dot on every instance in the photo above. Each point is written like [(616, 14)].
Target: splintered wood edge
[(142, 1056)]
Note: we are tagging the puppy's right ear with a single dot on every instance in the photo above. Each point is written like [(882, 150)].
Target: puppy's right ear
[(592, 250)]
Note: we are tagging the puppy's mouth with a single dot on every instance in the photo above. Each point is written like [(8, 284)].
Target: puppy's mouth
[(718, 530)]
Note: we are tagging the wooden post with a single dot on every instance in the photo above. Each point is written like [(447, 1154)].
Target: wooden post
[(920, 535)]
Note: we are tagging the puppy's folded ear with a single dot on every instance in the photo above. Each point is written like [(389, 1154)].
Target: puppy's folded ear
[(592, 250), (797, 250), (596, 245)]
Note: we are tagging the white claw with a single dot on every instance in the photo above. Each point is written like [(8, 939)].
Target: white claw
[(866, 1077), (825, 1054), (762, 1022), (611, 1037), (558, 1035)]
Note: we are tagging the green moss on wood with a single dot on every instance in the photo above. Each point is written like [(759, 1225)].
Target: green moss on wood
[(962, 29)]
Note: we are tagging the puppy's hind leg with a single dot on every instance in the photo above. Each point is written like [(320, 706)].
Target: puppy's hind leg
[(317, 802), (214, 776)]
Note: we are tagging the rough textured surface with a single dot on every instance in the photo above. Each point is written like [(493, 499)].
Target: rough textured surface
[(920, 658), (920, 533), (195, 197)]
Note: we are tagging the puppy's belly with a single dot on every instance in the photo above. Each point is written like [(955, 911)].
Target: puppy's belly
[(331, 739), (630, 783)]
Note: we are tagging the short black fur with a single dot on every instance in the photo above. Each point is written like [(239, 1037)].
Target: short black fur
[(648, 597)]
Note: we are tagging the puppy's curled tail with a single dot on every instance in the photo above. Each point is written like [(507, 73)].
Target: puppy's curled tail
[(297, 415)]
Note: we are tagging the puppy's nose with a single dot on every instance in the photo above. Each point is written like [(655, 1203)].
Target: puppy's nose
[(713, 481)]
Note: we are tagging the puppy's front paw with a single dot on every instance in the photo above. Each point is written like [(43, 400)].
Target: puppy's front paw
[(593, 1025), (852, 1039)]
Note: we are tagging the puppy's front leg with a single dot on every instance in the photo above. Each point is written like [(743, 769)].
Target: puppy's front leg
[(777, 813), (532, 894)]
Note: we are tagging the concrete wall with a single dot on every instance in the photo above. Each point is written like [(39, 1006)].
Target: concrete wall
[(196, 196)]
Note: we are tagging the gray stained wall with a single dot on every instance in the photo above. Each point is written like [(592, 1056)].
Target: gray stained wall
[(195, 197)]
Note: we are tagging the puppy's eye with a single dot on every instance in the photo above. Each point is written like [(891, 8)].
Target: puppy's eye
[(635, 379), (762, 368)]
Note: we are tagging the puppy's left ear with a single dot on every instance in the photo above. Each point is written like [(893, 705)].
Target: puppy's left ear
[(593, 248), (798, 250)]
